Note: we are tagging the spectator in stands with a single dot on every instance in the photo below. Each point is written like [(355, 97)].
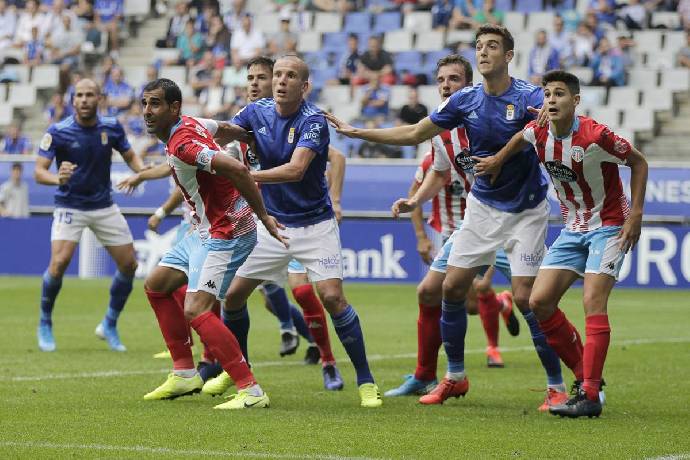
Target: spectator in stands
[(217, 100), (583, 45), (338, 6), (29, 19), (488, 14), (283, 40), (33, 49), (84, 11), (8, 22), (202, 23), (14, 195), (625, 48), (592, 22), (347, 70), (375, 99), (376, 62), (232, 16), (119, 93), (64, 45), (53, 23), (247, 41), (633, 15), (201, 74), (15, 143), (604, 11), (218, 40), (414, 111), (561, 40), (151, 74), (109, 17), (683, 56), (57, 109), (684, 11), (175, 26), (607, 66), (190, 45), (441, 14), (463, 12), (542, 58), (236, 75)]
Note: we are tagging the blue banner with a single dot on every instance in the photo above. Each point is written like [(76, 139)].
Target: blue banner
[(381, 251)]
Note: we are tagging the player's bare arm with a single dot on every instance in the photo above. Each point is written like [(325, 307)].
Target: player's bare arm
[(399, 135), (174, 200), (432, 184), (336, 176), (228, 132), (491, 165), (293, 171), (630, 233), (133, 160), (424, 245), (238, 173), (132, 182), (42, 174)]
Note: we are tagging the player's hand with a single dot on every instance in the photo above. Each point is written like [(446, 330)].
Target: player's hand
[(65, 172), (630, 233), (272, 225), (129, 184), (340, 126), (424, 248), (403, 205), (542, 115), (487, 166), (153, 223), (338, 211)]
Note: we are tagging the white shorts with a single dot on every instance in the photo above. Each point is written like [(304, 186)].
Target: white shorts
[(486, 229), (108, 224), (316, 247)]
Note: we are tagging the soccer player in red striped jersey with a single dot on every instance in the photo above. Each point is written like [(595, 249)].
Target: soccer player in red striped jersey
[(582, 158)]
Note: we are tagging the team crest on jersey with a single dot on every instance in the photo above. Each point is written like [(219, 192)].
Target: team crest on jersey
[(577, 153), (560, 172), (291, 136), (464, 162), (46, 141), (104, 138), (510, 112)]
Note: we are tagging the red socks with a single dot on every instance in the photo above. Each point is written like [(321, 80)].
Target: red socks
[(598, 334), (562, 336), (489, 310), (207, 355), (428, 341), (315, 317), (224, 347), (174, 328), (179, 295)]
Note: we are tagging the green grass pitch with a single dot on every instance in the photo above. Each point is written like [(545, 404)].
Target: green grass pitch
[(85, 401)]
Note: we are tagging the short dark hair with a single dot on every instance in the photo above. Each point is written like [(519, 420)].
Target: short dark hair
[(262, 61), (353, 35), (508, 41), (459, 60), (570, 80), (17, 165), (171, 91)]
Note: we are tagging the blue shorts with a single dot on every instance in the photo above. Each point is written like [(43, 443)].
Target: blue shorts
[(182, 231), (210, 265), (595, 251), (440, 263)]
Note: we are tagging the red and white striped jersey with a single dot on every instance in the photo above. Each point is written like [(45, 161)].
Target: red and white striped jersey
[(241, 152), (450, 152), (217, 208), (435, 218), (584, 170)]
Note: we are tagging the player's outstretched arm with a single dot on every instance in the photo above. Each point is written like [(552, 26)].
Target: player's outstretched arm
[(228, 132), (424, 245), (336, 178), (630, 233), (42, 174), (133, 181), (133, 160), (491, 165), (432, 184), (293, 171), (399, 135), (238, 173), (173, 201)]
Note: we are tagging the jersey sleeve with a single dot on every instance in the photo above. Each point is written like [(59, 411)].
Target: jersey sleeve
[(536, 100), (48, 146), (314, 135), (616, 146), (441, 162), (449, 114), (243, 118), (192, 151), (423, 168), (529, 133), (121, 143)]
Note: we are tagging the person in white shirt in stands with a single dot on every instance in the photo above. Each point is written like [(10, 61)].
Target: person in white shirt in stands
[(14, 195), (247, 41), (8, 22), (29, 19)]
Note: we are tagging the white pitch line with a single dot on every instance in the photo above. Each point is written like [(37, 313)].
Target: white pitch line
[(671, 457), (174, 452), (473, 351)]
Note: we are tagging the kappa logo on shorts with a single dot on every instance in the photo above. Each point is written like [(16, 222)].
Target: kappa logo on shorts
[(611, 266), (210, 284)]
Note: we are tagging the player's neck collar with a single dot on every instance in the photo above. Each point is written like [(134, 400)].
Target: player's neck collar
[(174, 127), (573, 129)]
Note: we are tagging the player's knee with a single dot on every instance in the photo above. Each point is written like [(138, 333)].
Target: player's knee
[(453, 291), (58, 265), (522, 300), (333, 301), (427, 295), (594, 303), (129, 268), (540, 305)]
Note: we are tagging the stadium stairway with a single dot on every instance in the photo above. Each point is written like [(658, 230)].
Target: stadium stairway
[(671, 144), (139, 50)]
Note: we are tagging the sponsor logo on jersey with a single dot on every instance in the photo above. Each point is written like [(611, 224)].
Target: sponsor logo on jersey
[(577, 153), (104, 138), (473, 115), (464, 162), (75, 145), (46, 141), (510, 112), (314, 133), (560, 172)]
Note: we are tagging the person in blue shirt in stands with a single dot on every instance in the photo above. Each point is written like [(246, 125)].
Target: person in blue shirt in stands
[(14, 143), (82, 146), (109, 15)]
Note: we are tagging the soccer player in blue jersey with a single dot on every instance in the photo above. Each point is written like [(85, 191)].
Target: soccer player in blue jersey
[(292, 140), (510, 214), (82, 146)]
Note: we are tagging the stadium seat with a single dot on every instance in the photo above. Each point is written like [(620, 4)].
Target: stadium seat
[(460, 36), (135, 75), (193, 110), (429, 41), (21, 95), (470, 54), (640, 119), (624, 97), (21, 71), (6, 114), (540, 20), (674, 41), (428, 95), (309, 42), (504, 5), (514, 21), (584, 74), (334, 41), (666, 19), (358, 23), (387, 22), (268, 23), (432, 57), (528, 6), (165, 54), (398, 97), (319, 77), (643, 78), (409, 60), (417, 21), (397, 41), (661, 59), (46, 76), (648, 41), (327, 22), (347, 112), (626, 134), (176, 73), (335, 95), (136, 8), (675, 79), (301, 21), (560, 6), (657, 99), (591, 97), (609, 116)]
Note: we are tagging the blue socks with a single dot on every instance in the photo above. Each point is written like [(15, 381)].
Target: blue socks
[(350, 334), (49, 291), (549, 358), (453, 330), (120, 289), (280, 305), (300, 324), (238, 323)]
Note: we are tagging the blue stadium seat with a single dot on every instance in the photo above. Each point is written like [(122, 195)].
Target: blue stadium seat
[(432, 58), (470, 55), (528, 6), (561, 5), (408, 60), (384, 22), (319, 76), (334, 41), (358, 23), (504, 5)]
